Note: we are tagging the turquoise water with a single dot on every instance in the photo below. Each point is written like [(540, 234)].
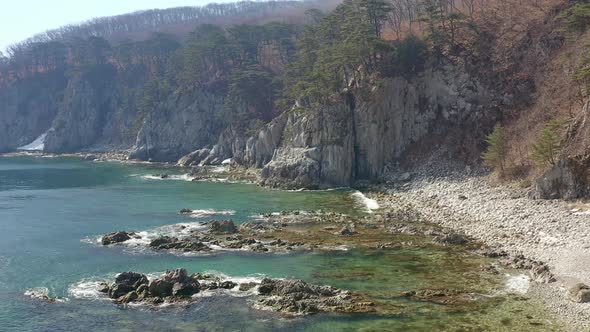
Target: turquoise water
[(48, 206)]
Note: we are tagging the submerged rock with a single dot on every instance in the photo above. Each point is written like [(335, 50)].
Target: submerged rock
[(450, 238), (116, 237), (441, 296)]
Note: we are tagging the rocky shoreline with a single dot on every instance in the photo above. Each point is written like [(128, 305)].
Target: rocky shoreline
[(549, 239)]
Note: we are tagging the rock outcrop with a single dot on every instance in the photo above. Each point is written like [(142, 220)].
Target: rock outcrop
[(355, 139), (27, 109), (569, 179), (289, 297), (178, 127)]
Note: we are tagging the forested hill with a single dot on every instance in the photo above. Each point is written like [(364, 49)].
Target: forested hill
[(314, 96)]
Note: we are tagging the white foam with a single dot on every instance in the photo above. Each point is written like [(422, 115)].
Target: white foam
[(211, 212), (37, 292), (86, 289), (368, 204), (42, 293), (518, 284), (182, 177), (226, 162), (37, 145)]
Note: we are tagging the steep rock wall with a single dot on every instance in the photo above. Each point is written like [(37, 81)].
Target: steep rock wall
[(355, 139), (28, 108), (181, 125)]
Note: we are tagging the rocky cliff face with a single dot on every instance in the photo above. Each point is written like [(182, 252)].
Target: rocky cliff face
[(88, 105), (179, 126), (355, 139), (27, 110)]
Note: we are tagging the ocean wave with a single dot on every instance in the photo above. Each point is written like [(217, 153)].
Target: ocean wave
[(210, 213), (87, 289), (369, 205), (182, 177)]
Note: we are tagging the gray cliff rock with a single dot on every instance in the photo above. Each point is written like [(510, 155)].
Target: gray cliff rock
[(27, 109), (180, 126), (569, 179), (355, 139)]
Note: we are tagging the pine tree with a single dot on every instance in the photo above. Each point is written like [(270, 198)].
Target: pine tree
[(495, 155), (549, 144)]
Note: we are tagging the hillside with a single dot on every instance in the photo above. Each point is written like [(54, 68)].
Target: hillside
[(319, 98)]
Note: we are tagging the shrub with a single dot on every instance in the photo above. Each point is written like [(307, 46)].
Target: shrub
[(577, 17)]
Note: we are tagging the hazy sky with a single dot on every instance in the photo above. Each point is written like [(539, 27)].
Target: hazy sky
[(20, 19)]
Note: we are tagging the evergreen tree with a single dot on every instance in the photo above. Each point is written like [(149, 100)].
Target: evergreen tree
[(495, 155), (549, 144)]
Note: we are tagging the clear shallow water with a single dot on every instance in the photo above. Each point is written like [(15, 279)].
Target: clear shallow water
[(47, 206)]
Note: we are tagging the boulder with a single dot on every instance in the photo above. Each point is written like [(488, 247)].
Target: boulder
[(116, 237), (185, 288), (118, 290), (567, 180), (131, 279), (186, 211), (128, 298), (540, 273), (222, 227), (194, 158), (161, 288), (580, 293)]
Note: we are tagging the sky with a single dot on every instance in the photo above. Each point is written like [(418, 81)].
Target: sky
[(20, 19)]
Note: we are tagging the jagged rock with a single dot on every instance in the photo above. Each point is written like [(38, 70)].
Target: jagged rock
[(296, 297), (186, 211), (541, 274), (118, 290), (116, 237), (103, 287), (227, 285), (170, 243), (194, 158), (580, 293), (128, 298), (292, 297), (222, 227), (131, 279), (335, 145), (161, 288)]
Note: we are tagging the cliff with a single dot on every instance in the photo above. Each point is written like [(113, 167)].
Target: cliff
[(356, 139)]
